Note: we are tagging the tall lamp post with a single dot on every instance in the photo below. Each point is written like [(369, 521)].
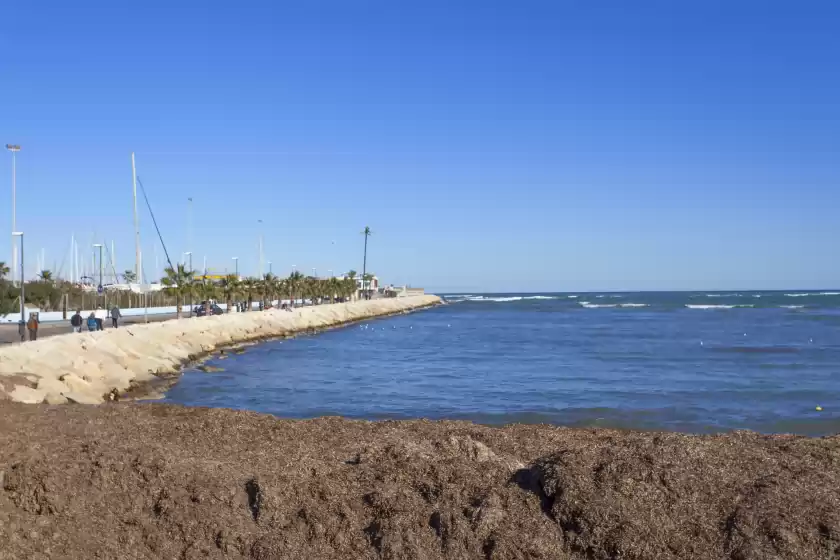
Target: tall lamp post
[(236, 261), (22, 326), (269, 267), (191, 280), (14, 148)]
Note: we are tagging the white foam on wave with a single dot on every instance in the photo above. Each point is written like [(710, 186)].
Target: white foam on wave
[(588, 305), (573, 297), (715, 306), (792, 306), (633, 305), (830, 293), (798, 295), (502, 299)]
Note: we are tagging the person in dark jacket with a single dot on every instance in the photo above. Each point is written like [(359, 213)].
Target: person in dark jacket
[(76, 321), (92, 323), (115, 316)]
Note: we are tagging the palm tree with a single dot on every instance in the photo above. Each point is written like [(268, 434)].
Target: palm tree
[(366, 280), (45, 276), (130, 277), (207, 290), (295, 285), (333, 289), (230, 288), (269, 286), (250, 286), (4, 270), (352, 277), (178, 282), (366, 233)]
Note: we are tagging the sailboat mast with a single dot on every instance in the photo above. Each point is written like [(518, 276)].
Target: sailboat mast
[(137, 266)]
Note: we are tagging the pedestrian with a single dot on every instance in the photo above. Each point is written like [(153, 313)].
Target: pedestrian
[(76, 321), (32, 326), (100, 318), (92, 324), (115, 316)]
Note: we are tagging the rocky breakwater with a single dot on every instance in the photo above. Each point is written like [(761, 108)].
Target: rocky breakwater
[(90, 368)]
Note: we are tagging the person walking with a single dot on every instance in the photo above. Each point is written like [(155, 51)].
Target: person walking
[(100, 318), (92, 323), (115, 316), (32, 326), (76, 321)]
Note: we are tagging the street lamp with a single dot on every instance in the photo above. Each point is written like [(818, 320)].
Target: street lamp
[(269, 267), (236, 260), (22, 309), (191, 279), (14, 148)]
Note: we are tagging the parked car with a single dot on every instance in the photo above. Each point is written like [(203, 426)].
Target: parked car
[(200, 310)]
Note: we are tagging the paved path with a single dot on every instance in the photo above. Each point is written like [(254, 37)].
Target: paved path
[(9, 332)]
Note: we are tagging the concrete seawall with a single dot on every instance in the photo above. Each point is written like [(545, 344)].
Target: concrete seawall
[(89, 367)]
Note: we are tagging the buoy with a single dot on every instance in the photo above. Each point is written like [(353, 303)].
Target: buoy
[(701, 343), (811, 340), (819, 408)]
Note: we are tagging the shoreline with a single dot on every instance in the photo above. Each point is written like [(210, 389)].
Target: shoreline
[(91, 368), (164, 481), (150, 390)]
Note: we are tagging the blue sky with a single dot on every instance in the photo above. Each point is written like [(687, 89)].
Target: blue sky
[(497, 146)]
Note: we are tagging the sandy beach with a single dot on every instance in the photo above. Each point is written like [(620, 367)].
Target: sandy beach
[(91, 368)]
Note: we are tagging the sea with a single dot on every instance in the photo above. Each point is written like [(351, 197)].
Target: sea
[(698, 362)]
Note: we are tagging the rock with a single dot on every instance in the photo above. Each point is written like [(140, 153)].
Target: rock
[(28, 395), (55, 398), (82, 398)]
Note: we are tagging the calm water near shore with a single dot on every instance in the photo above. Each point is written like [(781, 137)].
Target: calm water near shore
[(698, 362)]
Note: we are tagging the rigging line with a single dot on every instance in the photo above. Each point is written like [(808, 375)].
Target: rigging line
[(154, 221), (111, 262)]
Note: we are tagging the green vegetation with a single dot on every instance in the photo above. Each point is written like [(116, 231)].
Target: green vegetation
[(178, 282), (179, 288)]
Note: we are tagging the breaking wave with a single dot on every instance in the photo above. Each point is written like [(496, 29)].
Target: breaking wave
[(690, 306)]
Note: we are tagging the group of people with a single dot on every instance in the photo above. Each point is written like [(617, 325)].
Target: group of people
[(96, 319)]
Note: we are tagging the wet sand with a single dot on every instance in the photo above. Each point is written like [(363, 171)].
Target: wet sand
[(164, 482)]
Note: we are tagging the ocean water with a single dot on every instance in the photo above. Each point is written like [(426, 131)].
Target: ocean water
[(693, 362)]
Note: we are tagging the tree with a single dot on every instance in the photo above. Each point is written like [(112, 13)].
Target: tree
[(178, 282), (295, 286), (250, 287), (366, 281), (230, 288), (130, 277), (366, 233), (45, 276), (269, 287), (207, 290), (8, 297), (4, 270)]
